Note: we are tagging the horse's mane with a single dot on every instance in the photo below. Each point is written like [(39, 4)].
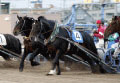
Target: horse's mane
[(28, 18), (50, 23), (41, 17), (28, 24)]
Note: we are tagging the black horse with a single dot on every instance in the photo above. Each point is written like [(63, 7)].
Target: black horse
[(43, 29), (12, 44), (23, 27)]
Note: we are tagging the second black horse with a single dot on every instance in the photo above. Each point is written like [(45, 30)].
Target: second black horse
[(43, 29)]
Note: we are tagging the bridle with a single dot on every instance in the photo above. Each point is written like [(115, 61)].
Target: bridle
[(42, 31), (23, 25)]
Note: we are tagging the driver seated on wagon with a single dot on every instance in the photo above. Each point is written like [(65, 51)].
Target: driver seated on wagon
[(100, 33)]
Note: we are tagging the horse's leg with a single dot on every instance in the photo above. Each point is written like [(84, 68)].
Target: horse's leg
[(6, 57), (56, 62), (58, 68), (94, 66), (68, 63), (22, 60), (34, 54)]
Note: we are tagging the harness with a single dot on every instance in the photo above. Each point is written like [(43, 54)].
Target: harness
[(54, 33), (24, 25), (74, 35)]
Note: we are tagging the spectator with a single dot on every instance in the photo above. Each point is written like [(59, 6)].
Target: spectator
[(115, 38)]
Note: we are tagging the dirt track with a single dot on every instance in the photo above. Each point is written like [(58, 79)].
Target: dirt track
[(9, 74)]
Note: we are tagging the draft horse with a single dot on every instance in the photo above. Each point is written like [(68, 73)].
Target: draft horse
[(10, 43), (42, 29), (23, 26)]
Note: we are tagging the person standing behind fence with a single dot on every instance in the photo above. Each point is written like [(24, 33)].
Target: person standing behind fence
[(115, 38), (100, 33)]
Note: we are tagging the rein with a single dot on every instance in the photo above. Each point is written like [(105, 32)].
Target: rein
[(24, 30), (23, 25), (47, 32), (53, 32)]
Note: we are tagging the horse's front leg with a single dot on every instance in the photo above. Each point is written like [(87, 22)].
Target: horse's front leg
[(34, 54), (56, 62), (22, 60)]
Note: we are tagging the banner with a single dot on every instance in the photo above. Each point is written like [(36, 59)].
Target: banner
[(116, 1), (87, 1)]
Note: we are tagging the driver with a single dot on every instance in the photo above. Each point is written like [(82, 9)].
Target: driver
[(100, 33)]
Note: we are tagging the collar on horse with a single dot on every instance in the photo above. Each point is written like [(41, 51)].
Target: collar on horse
[(53, 34)]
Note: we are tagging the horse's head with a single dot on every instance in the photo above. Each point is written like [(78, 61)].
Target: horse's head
[(40, 28), (36, 29), (23, 26), (112, 27)]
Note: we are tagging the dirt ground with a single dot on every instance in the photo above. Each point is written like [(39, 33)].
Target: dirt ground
[(9, 74)]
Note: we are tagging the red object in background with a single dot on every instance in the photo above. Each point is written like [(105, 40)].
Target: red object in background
[(98, 22)]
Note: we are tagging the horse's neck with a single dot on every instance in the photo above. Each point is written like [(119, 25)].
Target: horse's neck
[(49, 31), (28, 29)]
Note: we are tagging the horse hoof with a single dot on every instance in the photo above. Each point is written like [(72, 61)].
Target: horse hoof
[(35, 64), (20, 70), (58, 73), (49, 74)]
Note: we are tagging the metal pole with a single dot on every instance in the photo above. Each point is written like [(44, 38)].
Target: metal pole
[(64, 8), (116, 9), (102, 12), (0, 6)]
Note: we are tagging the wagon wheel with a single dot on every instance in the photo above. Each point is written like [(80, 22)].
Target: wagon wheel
[(108, 57)]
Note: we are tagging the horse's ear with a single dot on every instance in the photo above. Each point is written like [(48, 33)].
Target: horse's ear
[(115, 17), (18, 17), (41, 17), (32, 19)]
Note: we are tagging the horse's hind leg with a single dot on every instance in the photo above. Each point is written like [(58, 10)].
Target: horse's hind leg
[(94, 66), (56, 62), (6, 57), (58, 68), (34, 54)]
